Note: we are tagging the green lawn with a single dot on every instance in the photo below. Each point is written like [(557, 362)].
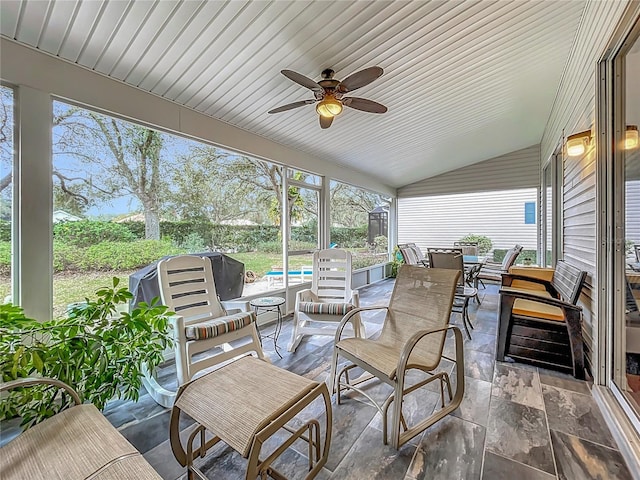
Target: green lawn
[(70, 287)]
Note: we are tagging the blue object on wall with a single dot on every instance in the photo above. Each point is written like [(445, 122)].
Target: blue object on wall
[(529, 213)]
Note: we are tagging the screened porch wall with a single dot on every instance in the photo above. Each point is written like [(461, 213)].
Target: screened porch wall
[(574, 111)]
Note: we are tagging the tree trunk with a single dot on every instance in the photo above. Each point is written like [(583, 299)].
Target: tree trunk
[(151, 223)]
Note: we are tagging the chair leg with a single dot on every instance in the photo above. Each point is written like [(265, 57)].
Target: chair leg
[(574, 328), (295, 336), (334, 369), (504, 326)]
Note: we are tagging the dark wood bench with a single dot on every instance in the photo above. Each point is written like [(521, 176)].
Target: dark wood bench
[(540, 322)]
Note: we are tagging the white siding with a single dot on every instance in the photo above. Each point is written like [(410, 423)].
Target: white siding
[(632, 222), (519, 169), (440, 220), (574, 111)]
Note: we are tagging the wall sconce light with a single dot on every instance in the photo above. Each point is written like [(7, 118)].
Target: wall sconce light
[(578, 143), (631, 137)]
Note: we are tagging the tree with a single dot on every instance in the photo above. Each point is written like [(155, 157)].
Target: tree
[(6, 137), (114, 158), (350, 206), (212, 183)]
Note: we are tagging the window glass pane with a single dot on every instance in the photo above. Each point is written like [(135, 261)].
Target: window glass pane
[(628, 381), (125, 196), (359, 223), (530, 213), (304, 234), (6, 190), (305, 177), (548, 213)]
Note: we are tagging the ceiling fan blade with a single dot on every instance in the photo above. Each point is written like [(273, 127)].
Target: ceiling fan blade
[(325, 122), (359, 79), (302, 80), (364, 105), (291, 106)]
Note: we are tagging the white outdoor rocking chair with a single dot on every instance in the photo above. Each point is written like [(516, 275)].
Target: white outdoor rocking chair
[(200, 322), (328, 300)]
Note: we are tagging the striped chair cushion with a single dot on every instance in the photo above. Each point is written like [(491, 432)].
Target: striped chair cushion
[(326, 308), (219, 326)]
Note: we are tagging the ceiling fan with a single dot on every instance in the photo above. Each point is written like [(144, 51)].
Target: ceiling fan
[(330, 93)]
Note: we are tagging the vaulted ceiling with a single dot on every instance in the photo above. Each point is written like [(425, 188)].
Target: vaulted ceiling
[(464, 81)]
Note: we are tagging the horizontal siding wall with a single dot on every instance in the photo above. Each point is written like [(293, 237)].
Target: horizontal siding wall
[(519, 169), (440, 220), (574, 111), (632, 212)]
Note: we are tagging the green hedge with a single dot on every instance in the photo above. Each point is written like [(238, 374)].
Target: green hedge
[(248, 238), (499, 253), (5, 231), (90, 232), (107, 256), (5, 257)]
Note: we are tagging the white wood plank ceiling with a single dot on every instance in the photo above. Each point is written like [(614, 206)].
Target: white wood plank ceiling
[(464, 80)]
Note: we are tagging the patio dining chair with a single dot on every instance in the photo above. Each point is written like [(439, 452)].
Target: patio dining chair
[(412, 338), (468, 248), (453, 259), (412, 255), (200, 323), (319, 309), (493, 270)]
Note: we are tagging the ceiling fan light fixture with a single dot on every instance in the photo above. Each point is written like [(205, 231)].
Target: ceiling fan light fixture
[(329, 107)]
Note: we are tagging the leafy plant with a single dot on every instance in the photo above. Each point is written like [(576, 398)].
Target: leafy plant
[(484, 243), (98, 350)]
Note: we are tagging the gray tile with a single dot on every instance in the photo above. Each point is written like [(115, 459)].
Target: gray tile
[(576, 414), (475, 403), (162, 460), (501, 468), (370, 458), (417, 406), (520, 433), (479, 365), (577, 458), (481, 342), (563, 380), (517, 385), (349, 421), (450, 449)]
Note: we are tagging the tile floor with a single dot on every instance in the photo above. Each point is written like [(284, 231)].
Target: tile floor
[(515, 422)]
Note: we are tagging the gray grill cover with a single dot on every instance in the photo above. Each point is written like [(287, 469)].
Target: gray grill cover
[(228, 274)]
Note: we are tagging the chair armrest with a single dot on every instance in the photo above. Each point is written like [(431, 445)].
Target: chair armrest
[(306, 295), (355, 298), (405, 355), (555, 302), (350, 314), (235, 306), (31, 381), (508, 278)]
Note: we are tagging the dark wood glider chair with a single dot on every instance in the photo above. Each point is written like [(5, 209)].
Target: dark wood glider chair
[(540, 322)]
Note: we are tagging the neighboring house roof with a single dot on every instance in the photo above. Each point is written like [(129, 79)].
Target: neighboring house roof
[(62, 216), (134, 217)]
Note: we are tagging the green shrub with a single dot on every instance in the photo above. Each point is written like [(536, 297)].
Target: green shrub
[(5, 231), (530, 255), (5, 257), (484, 243), (107, 256), (193, 243), (90, 232), (349, 237)]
